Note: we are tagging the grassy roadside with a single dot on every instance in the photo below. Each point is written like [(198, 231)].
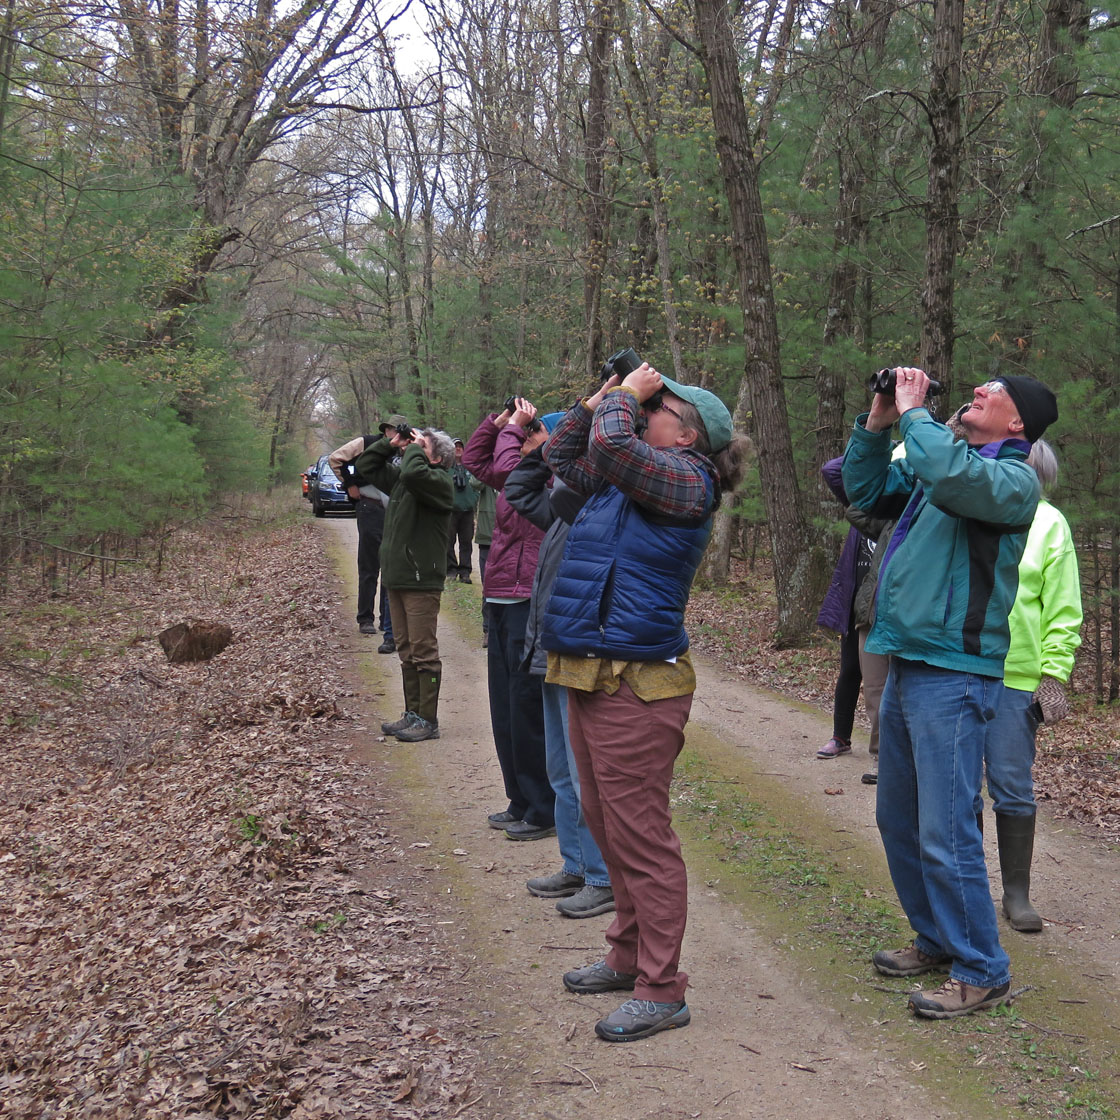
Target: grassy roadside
[(828, 903)]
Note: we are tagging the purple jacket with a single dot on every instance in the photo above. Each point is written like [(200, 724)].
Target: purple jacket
[(490, 455), (836, 610)]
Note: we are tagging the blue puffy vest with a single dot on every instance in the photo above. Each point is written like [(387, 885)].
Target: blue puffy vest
[(624, 582)]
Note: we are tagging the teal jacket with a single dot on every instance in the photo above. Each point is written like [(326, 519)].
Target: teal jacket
[(414, 544), (1046, 619), (950, 572)]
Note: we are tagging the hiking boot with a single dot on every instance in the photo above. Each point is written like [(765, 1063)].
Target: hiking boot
[(419, 730), (406, 720), (523, 830), (954, 998), (559, 885), (387, 646), (502, 819), (639, 1018), (835, 747), (367, 628), (598, 977), (587, 903), (871, 777), (910, 961)]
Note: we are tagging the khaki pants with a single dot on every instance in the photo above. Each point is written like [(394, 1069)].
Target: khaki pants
[(874, 668), (415, 614)]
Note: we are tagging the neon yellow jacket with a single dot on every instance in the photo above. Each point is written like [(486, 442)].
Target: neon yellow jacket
[(1046, 618)]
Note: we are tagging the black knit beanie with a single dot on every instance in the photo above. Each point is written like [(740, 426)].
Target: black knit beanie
[(1037, 406)]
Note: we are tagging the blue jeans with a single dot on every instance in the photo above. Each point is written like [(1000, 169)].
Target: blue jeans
[(1009, 755), (932, 728), (578, 849)]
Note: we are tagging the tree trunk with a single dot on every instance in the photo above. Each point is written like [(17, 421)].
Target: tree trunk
[(595, 151), (942, 193), (801, 566)]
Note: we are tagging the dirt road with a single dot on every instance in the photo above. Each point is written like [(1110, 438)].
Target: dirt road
[(768, 1038)]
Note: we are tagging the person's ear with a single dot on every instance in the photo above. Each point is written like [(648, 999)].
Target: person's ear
[(1016, 425), (687, 437)]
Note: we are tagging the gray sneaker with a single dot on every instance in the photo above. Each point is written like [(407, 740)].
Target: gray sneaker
[(598, 977), (406, 720), (418, 730), (639, 1018), (559, 885), (587, 902), (910, 961)]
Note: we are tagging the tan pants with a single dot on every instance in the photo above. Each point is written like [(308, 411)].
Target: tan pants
[(874, 668), (415, 614)]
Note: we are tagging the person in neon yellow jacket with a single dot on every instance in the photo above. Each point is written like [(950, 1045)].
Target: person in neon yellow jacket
[(1045, 624)]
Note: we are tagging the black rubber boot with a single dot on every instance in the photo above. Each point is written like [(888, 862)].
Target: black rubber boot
[(1015, 836), (427, 726)]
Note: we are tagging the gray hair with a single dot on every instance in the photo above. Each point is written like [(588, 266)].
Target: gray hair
[(443, 446), (1045, 464)]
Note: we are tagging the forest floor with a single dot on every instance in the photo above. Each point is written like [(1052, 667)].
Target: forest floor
[(224, 893)]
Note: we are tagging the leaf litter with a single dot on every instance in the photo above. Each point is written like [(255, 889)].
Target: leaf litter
[(198, 881)]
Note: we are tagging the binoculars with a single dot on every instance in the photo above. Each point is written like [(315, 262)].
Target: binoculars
[(884, 382)]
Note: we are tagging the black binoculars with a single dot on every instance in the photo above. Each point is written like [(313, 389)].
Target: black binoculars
[(626, 361), (884, 382), (511, 407)]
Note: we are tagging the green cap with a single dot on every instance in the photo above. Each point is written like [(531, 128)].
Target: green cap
[(717, 420)]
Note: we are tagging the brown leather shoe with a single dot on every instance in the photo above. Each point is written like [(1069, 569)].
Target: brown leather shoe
[(954, 998), (910, 961)]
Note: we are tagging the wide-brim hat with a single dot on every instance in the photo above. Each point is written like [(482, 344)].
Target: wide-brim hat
[(713, 412), (394, 421)]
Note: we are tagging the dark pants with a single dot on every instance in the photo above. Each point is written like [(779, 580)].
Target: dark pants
[(461, 529), (846, 696), (371, 524), (483, 553), (625, 749), (517, 717)]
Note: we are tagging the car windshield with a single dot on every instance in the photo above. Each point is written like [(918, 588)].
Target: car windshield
[(325, 473)]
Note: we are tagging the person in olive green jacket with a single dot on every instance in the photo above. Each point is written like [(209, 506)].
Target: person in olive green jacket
[(414, 562)]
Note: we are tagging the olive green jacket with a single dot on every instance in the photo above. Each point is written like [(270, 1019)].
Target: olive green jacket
[(414, 545)]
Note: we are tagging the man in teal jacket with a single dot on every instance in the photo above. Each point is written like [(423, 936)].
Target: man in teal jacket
[(946, 585)]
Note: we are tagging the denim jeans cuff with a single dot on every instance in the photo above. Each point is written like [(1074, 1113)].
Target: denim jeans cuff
[(980, 983)]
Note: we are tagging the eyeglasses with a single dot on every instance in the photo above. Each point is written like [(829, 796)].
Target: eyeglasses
[(663, 407), (991, 387)]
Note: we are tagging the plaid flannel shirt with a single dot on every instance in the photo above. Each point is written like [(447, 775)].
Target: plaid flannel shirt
[(587, 449)]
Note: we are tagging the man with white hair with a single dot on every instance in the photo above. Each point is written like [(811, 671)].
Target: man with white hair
[(414, 561), (946, 586)]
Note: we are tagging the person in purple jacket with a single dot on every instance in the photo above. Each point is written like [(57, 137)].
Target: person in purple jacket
[(516, 699)]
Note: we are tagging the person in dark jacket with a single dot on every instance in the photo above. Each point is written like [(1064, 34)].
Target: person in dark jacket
[(462, 519), (946, 586), (414, 563), (516, 704), (582, 885), (615, 636), (370, 516)]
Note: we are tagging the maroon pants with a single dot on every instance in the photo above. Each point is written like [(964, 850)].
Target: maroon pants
[(625, 749)]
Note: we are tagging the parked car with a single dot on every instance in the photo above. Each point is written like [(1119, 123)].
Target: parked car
[(325, 492), (305, 480)]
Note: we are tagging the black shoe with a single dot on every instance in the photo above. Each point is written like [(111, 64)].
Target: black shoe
[(523, 830), (367, 628), (871, 777), (598, 977), (465, 577), (419, 730), (503, 819), (387, 646), (560, 885)]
